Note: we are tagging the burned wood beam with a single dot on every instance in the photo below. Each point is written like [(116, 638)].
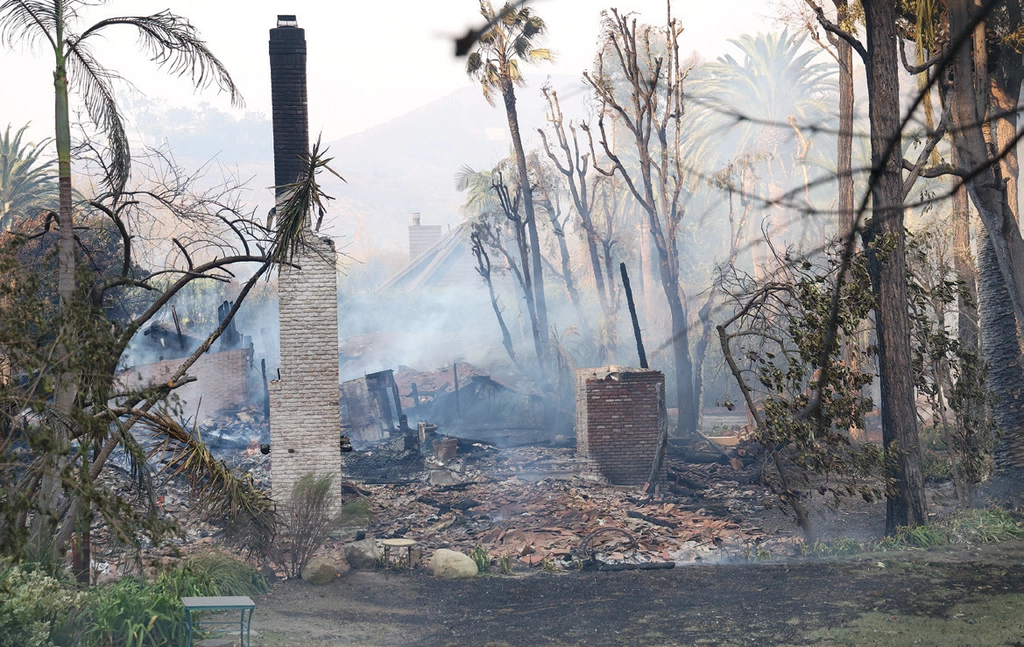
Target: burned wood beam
[(632, 315)]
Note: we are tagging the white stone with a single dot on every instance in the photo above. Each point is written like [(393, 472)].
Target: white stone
[(451, 564)]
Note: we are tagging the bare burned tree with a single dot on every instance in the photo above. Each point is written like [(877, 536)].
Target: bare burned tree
[(573, 162), (549, 200), (482, 231), (649, 62)]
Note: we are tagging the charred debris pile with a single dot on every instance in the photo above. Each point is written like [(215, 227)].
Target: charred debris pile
[(484, 474), (540, 505), (462, 399)]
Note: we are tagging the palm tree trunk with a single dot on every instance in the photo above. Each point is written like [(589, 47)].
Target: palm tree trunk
[(1000, 347), (66, 242), (508, 93), (527, 284), (64, 390), (885, 241)]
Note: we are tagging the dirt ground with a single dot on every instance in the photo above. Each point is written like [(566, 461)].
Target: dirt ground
[(958, 597)]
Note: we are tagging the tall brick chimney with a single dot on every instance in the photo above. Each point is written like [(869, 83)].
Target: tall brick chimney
[(305, 417), (288, 97)]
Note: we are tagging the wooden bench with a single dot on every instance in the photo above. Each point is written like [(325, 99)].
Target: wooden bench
[(238, 603)]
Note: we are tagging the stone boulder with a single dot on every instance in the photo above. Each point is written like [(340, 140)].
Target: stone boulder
[(451, 564), (362, 554), (319, 570)]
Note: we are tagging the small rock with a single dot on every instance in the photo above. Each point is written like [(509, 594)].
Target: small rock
[(319, 570), (450, 564), (362, 554)]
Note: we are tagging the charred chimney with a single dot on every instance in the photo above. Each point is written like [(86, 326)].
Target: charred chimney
[(288, 98)]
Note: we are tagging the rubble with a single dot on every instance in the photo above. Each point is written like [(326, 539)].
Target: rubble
[(538, 504), (533, 505)]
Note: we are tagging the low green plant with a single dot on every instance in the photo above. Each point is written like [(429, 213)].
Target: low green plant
[(506, 564), (482, 559), (356, 513), (935, 466), (915, 537), (837, 548), (134, 612), (547, 566), (37, 609), (983, 527), (967, 527)]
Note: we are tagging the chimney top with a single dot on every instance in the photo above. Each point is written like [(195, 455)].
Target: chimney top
[(287, 21), (416, 219)]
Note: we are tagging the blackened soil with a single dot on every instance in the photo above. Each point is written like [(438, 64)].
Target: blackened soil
[(795, 603)]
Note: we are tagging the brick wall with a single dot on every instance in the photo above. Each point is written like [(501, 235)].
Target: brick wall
[(221, 380), (305, 418), (619, 412)]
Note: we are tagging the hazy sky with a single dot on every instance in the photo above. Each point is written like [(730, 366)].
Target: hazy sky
[(369, 61)]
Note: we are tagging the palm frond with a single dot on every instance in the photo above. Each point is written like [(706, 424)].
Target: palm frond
[(138, 466), (217, 491), (473, 63), (26, 182), (27, 22), (94, 83), (302, 199), (173, 43)]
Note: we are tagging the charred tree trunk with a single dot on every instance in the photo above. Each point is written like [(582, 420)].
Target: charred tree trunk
[(885, 242), (686, 426), (554, 211), (574, 167), (844, 139), (510, 208), (483, 268), (509, 96), (977, 151)]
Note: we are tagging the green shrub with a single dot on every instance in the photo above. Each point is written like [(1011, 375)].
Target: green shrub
[(935, 466), (506, 564), (136, 613), (304, 523), (916, 537), (37, 609), (982, 527), (356, 513)]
